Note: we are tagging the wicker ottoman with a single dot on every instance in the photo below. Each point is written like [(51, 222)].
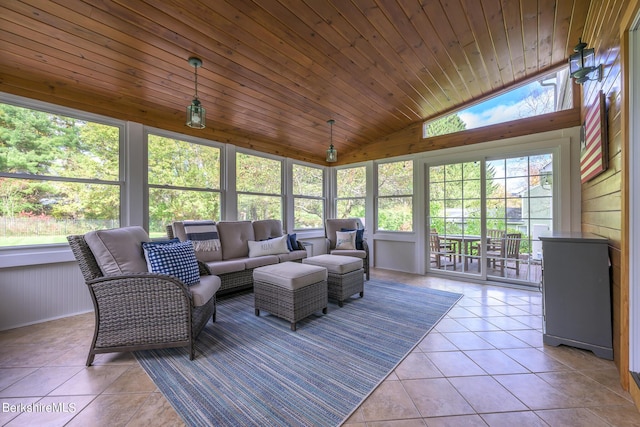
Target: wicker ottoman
[(290, 290), (345, 275)]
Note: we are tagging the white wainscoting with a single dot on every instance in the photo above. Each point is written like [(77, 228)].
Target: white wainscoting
[(395, 255), (38, 293)]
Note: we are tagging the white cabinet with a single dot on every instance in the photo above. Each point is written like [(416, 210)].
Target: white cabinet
[(577, 292)]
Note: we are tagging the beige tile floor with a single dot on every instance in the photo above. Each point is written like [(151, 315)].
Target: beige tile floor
[(484, 364)]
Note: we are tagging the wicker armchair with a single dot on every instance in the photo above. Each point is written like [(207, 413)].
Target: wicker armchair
[(334, 225), (141, 311)]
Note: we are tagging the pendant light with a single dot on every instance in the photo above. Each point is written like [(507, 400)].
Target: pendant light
[(332, 154), (196, 112)]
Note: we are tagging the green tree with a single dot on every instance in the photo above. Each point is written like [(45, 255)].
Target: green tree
[(445, 125), (261, 178), (454, 197), (308, 211), (185, 173), (51, 164), (32, 141), (352, 190), (395, 196)]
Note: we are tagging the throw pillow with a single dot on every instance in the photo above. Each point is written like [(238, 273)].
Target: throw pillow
[(292, 242), (345, 240), (275, 246), (174, 259), (359, 237), (155, 243)]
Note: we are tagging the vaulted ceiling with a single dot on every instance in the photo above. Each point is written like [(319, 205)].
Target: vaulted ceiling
[(274, 71)]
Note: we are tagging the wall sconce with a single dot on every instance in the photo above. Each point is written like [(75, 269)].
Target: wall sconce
[(196, 112), (332, 154), (582, 64)]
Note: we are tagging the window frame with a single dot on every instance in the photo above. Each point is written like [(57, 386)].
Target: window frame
[(562, 92), (322, 198), (363, 198), (282, 195), (189, 140), (120, 182), (378, 197)]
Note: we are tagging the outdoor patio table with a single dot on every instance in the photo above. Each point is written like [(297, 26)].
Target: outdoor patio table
[(464, 245)]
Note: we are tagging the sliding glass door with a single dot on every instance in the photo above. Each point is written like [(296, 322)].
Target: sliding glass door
[(485, 217), (519, 207), (454, 229)]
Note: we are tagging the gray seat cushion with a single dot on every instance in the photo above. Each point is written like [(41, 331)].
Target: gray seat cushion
[(350, 252), (337, 264), (260, 261), (204, 289), (267, 229), (234, 236), (228, 266), (119, 251), (290, 275), (293, 255)]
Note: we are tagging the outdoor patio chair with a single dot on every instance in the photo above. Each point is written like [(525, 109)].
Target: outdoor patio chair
[(445, 244), (509, 249), (135, 309), (494, 241), (441, 254)]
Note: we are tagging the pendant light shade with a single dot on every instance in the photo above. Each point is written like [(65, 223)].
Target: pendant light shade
[(332, 153), (196, 113)]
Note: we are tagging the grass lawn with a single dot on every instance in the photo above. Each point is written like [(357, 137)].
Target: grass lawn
[(48, 240)]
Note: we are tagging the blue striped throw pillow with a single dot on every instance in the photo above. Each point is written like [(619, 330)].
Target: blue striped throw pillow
[(174, 259)]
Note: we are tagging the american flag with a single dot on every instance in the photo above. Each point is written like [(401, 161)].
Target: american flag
[(594, 156)]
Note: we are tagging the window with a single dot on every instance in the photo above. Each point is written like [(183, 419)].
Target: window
[(308, 200), (351, 192), (395, 196), (184, 182), (58, 176), (546, 95), (259, 187)]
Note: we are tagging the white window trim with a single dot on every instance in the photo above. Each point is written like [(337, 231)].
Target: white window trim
[(284, 178), (291, 198), (184, 138), (20, 256)]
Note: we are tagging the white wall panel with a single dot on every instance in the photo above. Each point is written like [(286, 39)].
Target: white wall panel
[(395, 255), (39, 293)]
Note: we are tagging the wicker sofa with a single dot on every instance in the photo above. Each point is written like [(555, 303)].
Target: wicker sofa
[(232, 262)]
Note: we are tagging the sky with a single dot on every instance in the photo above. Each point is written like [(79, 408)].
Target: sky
[(508, 106)]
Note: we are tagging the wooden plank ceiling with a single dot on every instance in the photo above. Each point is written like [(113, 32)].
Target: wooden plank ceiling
[(274, 71)]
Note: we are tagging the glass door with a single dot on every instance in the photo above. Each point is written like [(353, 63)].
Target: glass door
[(519, 207), (454, 228), (495, 237)]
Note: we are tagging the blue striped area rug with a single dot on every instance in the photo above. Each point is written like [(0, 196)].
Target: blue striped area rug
[(255, 371)]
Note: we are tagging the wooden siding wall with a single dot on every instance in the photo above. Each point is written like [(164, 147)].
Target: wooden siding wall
[(410, 141), (603, 201)]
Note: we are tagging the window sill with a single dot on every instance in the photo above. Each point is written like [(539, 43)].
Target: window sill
[(35, 255)]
